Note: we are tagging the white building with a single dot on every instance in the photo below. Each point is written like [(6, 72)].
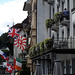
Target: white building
[(64, 37)]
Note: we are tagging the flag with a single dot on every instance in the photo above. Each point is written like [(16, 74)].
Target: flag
[(20, 42), (9, 68), (4, 56), (14, 63), (1, 52), (13, 32), (18, 64)]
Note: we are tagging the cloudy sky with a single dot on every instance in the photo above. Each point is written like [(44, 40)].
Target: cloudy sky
[(11, 11)]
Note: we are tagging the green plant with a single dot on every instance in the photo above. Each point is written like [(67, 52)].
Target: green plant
[(6, 51), (41, 47), (57, 17), (49, 23), (31, 51), (48, 43), (37, 48)]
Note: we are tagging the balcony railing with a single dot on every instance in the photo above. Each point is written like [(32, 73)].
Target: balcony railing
[(65, 22), (64, 43), (65, 19), (54, 27)]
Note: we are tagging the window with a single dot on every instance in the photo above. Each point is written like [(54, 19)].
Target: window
[(73, 3), (68, 31), (62, 35), (73, 66), (68, 5), (62, 6), (49, 64), (74, 29), (43, 66), (50, 11), (57, 8), (67, 66)]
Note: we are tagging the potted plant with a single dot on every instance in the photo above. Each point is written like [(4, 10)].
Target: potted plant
[(31, 51), (58, 16), (37, 48), (41, 47), (49, 23), (48, 43)]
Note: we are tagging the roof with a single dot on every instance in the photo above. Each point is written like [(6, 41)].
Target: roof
[(18, 25)]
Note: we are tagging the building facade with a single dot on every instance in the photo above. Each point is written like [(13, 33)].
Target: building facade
[(61, 31)]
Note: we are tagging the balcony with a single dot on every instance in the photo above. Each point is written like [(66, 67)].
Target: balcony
[(65, 22), (60, 44), (54, 27), (64, 43), (65, 19)]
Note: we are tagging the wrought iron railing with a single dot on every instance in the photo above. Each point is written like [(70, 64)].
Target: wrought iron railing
[(64, 43)]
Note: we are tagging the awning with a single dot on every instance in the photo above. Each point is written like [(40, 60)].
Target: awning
[(27, 6)]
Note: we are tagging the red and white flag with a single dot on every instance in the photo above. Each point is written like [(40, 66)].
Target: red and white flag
[(9, 68), (4, 56), (20, 42)]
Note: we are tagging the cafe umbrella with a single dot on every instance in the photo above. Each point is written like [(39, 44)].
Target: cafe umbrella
[(58, 70)]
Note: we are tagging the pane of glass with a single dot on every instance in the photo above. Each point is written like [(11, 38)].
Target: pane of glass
[(73, 66), (67, 66)]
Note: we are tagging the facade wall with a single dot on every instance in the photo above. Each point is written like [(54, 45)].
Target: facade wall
[(45, 11), (42, 15), (33, 23)]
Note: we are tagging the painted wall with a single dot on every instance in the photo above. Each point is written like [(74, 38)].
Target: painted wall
[(42, 15)]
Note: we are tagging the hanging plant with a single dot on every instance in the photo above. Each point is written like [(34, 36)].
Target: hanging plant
[(41, 47), (48, 43), (57, 17), (37, 48), (49, 23), (31, 51)]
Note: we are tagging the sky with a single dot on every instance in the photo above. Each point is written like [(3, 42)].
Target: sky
[(11, 11)]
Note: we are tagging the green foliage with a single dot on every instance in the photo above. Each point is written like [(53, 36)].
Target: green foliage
[(37, 48), (48, 43), (41, 47), (6, 51), (3, 40), (31, 49), (57, 17), (49, 23)]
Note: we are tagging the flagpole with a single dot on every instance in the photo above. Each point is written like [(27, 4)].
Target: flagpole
[(13, 58), (13, 51)]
